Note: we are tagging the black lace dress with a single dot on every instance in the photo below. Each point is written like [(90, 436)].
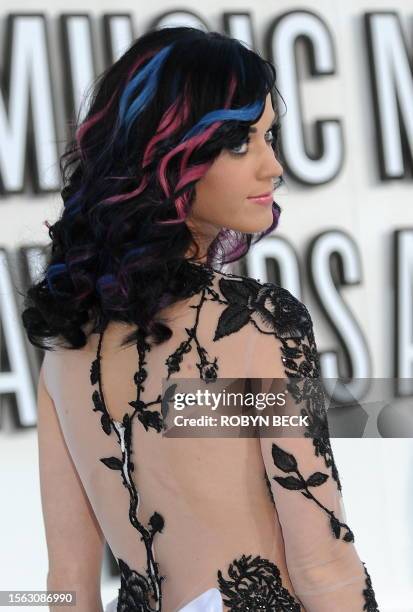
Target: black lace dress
[(258, 523)]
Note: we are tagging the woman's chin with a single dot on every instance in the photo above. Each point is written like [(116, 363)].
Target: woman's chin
[(258, 224)]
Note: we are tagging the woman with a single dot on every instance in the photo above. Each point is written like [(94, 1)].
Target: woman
[(181, 134)]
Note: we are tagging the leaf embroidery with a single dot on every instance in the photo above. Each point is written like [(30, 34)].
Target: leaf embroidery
[(287, 463)]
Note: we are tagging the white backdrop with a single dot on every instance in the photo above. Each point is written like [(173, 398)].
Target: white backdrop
[(349, 192)]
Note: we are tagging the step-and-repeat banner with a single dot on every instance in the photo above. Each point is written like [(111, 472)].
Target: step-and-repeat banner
[(344, 244)]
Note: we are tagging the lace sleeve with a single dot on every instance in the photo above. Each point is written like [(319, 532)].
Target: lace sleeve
[(325, 569)]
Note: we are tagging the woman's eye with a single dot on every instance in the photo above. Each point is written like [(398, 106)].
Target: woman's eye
[(236, 150), (271, 135)]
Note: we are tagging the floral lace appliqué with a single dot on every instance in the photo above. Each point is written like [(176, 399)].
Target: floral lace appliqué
[(254, 584), (137, 590)]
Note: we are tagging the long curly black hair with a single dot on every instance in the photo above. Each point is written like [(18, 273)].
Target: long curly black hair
[(157, 119)]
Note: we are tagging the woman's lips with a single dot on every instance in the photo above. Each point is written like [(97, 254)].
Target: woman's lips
[(262, 199)]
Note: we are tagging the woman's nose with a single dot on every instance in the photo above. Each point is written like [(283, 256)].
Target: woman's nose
[(273, 167)]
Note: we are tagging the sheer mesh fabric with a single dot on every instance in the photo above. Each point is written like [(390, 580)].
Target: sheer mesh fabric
[(185, 515)]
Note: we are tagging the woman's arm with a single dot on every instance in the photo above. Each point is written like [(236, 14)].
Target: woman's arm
[(74, 540), (323, 564)]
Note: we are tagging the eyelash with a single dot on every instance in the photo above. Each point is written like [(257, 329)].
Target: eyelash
[(273, 131), (280, 181)]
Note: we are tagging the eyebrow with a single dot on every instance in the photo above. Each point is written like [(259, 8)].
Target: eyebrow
[(254, 130)]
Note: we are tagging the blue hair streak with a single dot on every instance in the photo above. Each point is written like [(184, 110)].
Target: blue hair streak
[(247, 113), (150, 73), (52, 271)]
